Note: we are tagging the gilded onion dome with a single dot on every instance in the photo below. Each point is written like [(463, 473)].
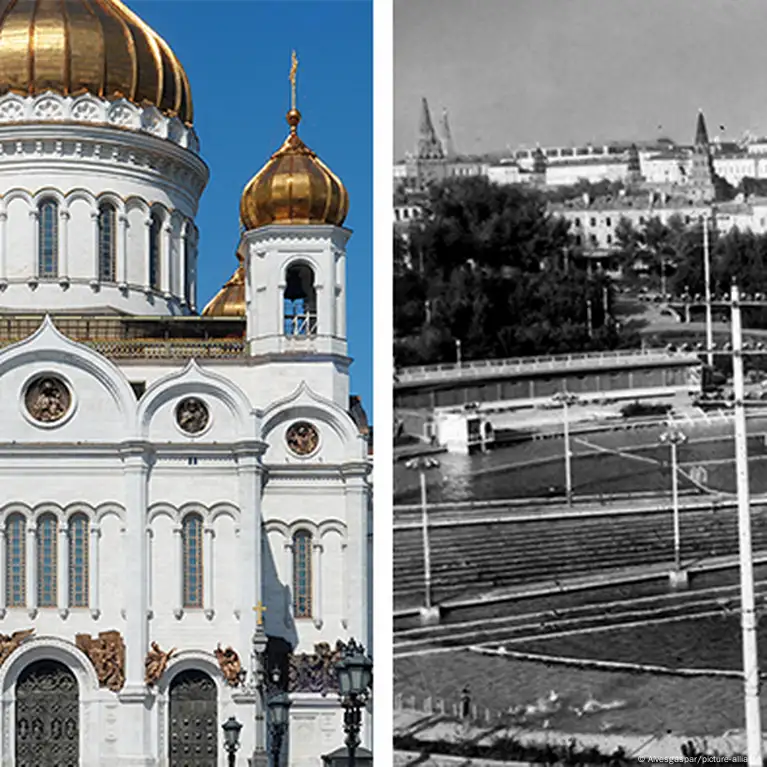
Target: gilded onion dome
[(230, 300), (294, 187), (89, 46)]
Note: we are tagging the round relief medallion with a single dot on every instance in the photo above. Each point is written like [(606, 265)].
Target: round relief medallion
[(47, 399), (192, 415), (302, 438)]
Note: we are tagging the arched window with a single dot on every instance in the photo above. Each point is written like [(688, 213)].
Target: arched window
[(15, 561), (300, 301), (47, 561), (48, 239), (107, 242), (302, 574), (192, 541), (78, 561), (155, 229)]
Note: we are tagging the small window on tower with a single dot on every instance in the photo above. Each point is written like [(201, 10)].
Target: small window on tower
[(300, 302), (48, 239)]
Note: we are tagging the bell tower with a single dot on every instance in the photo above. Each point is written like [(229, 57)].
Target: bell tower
[(294, 246)]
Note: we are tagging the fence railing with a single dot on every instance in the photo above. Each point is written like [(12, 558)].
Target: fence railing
[(161, 349), (474, 368)]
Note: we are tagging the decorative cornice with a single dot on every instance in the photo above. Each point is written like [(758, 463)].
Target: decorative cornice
[(52, 107)]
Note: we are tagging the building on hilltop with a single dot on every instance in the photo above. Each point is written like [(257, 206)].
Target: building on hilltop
[(178, 490)]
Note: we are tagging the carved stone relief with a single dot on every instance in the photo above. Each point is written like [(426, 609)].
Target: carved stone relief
[(192, 415), (315, 672), (155, 663), (107, 654), (47, 399), (302, 438), (8, 643)]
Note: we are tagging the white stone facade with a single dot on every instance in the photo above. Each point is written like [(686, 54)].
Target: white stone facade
[(127, 466), (141, 162)]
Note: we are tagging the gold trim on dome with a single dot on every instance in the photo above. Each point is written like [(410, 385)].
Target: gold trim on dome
[(89, 46), (230, 300)]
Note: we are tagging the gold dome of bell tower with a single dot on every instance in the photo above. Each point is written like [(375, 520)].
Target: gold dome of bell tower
[(295, 186), (89, 46)]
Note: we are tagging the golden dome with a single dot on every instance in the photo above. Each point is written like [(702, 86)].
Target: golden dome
[(294, 187), (89, 46), (230, 300)]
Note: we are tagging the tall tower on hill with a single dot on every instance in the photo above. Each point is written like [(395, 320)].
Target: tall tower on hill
[(447, 137), (428, 165), (701, 179)]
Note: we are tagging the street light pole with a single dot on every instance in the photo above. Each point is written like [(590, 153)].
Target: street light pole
[(422, 464), (707, 281), (673, 437), (567, 399), (458, 352), (259, 642), (748, 611)]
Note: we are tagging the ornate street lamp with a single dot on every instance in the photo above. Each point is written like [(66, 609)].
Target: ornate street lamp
[(422, 464), (674, 437), (566, 399), (279, 718), (231, 728), (259, 642), (355, 679)]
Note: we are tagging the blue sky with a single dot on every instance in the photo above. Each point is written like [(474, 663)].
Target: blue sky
[(237, 56)]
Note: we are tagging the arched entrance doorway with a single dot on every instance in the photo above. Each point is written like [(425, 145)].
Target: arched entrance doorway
[(193, 720), (47, 716)]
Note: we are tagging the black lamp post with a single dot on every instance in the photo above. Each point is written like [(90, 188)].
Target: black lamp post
[(355, 678), (231, 728), (279, 714)]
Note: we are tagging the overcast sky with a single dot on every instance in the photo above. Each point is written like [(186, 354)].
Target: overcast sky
[(518, 72)]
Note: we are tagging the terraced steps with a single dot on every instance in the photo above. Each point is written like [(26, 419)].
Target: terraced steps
[(512, 553)]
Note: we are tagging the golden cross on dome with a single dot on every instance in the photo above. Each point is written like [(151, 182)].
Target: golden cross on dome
[(293, 72), (260, 609)]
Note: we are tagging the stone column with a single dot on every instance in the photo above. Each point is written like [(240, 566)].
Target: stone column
[(136, 729), (317, 550), (287, 569), (183, 265), (2, 572), (33, 217), (63, 571), (207, 572), (148, 253), (3, 245), (31, 569), (149, 573), (178, 570), (357, 565), (93, 570)]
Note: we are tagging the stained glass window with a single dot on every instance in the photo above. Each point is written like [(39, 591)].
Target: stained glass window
[(302, 574), (192, 538), (107, 242), (15, 562), (78, 561), (154, 252), (48, 232), (47, 550)]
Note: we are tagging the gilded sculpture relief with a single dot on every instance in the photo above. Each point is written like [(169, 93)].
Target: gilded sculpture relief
[(192, 415), (9, 642), (156, 662), (230, 665), (107, 654)]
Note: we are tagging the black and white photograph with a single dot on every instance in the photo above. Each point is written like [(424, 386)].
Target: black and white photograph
[(580, 381)]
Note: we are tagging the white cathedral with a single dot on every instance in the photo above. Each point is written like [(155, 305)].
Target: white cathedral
[(176, 488)]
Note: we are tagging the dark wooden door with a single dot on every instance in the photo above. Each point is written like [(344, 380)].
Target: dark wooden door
[(193, 720), (47, 716)]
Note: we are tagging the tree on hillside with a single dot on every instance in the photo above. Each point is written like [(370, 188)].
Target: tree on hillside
[(495, 271)]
